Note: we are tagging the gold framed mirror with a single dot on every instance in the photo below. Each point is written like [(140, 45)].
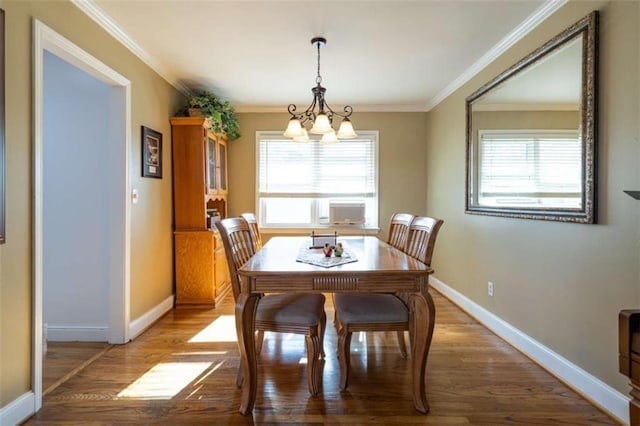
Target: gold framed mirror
[(531, 133)]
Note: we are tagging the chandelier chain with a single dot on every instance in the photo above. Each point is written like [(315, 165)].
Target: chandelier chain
[(319, 77)]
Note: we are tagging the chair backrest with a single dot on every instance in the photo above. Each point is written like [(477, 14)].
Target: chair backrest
[(238, 247), (255, 231), (399, 230), (422, 238)]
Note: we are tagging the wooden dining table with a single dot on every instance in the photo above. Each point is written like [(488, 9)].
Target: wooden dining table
[(375, 267)]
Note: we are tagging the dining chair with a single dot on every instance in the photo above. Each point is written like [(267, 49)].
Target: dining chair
[(298, 313), (256, 239), (397, 237), (399, 230), (255, 230), (421, 240), (378, 311)]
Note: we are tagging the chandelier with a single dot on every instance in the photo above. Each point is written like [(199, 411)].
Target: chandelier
[(321, 120)]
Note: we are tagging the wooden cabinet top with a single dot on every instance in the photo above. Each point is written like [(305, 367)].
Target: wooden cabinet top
[(188, 121), (197, 121)]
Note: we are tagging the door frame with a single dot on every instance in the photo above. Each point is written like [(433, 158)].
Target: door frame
[(46, 39)]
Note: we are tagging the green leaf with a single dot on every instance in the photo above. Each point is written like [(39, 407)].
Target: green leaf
[(221, 114)]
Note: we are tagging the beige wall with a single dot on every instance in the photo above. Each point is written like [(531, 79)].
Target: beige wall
[(561, 283), (153, 102), (495, 120), (402, 158)]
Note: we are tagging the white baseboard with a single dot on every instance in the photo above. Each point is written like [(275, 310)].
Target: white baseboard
[(18, 410), (77, 333), (140, 324), (23, 407), (64, 333), (607, 398)]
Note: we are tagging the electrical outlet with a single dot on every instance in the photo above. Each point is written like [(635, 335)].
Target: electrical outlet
[(490, 288)]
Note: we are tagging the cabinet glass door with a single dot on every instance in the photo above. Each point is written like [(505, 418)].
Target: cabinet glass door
[(211, 164), (223, 166)]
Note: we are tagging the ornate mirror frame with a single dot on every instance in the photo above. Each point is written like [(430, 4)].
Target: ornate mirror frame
[(587, 130)]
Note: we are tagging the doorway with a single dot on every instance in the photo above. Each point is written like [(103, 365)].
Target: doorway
[(81, 208)]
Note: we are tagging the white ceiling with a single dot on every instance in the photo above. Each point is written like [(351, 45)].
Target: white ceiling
[(380, 55)]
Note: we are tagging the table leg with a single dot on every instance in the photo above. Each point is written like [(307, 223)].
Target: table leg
[(245, 327), (424, 315)]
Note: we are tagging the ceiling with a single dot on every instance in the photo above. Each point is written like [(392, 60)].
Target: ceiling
[(380, 55), (552, 83)]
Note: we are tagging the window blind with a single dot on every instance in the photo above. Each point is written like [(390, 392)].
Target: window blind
[(536, 163), (345, 168), (314, 173)]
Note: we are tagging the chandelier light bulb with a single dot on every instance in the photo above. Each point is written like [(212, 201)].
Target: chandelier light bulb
[(346, 130), (304, 137), (294, 128), (329, 137), (321, 125)]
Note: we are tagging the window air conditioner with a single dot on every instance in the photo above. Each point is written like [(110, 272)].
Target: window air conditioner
[(341, 213)]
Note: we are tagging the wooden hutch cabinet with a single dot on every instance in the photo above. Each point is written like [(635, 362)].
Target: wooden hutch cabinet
[(199, 196)]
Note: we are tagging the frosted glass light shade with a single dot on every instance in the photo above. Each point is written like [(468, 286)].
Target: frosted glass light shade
[(321, 125), (346, 130), (304, 137), (294, 128), (329, 137)]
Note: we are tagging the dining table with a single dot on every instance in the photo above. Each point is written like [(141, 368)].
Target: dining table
[(368, 264)]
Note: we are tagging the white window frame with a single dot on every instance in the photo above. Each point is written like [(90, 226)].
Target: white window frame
[(319, 221)]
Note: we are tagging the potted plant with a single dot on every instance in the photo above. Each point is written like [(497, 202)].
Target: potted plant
[(222, 117)]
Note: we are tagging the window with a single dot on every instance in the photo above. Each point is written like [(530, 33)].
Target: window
[(534, 168), (298, 180)]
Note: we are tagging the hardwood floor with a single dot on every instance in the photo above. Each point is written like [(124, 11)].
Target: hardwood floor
[(64, 359), (182, 371)]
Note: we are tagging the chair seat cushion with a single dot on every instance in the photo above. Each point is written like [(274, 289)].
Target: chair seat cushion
[(291, 308), (354, 308)]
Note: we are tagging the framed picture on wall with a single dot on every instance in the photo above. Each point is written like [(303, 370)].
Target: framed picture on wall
[(2, 132), (151, 153)]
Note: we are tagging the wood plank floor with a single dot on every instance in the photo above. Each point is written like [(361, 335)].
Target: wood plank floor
[(64, 359), (182, 371)]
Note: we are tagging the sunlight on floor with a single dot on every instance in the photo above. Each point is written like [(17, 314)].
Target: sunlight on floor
[(165, 380), (200, 353), (272, 340), (361, 339), (222, 329)]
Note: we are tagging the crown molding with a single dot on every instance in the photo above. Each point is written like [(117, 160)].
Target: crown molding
[(542, 13), (101, 18), (356, 108)]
